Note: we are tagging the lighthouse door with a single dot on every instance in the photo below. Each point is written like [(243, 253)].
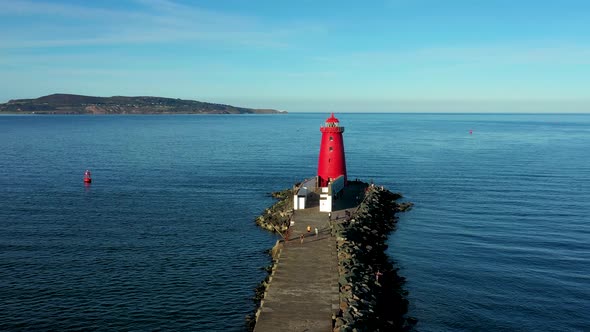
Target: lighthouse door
[(301, 203)]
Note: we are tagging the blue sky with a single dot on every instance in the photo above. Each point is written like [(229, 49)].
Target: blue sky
[(391, 55)]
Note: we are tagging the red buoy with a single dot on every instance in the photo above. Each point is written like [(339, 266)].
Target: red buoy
[(87, 178), (331, 162)]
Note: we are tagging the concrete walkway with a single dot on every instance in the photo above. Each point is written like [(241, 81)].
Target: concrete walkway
[(303, 292)]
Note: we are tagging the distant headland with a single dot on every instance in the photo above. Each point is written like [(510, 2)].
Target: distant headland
[(77, 104)]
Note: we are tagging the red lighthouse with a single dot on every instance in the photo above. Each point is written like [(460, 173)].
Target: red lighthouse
[(331, 163)]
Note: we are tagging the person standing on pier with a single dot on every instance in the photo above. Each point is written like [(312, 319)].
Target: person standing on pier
[(377, 275)]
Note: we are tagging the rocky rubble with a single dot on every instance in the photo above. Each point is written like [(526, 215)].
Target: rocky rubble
[(276, 218), (260, 290), (371, 294)]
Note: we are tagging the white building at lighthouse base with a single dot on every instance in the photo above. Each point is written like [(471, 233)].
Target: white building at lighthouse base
[(308, 189)]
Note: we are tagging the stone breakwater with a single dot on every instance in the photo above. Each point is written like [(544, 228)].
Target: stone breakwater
[(371, 297), (371, 293), (277, 217), (260, 290)]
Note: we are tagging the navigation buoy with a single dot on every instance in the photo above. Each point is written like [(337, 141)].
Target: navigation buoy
[(87, 178), (470, 131)]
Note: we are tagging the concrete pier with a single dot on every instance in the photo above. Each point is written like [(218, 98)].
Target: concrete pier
[(303, 292)]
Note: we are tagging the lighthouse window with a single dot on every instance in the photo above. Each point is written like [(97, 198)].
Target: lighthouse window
[(330, 149), (331, 138)]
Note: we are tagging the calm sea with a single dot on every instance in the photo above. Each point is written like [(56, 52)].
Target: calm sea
[(164, 238)]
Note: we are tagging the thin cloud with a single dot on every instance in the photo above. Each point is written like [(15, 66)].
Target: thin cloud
[(557, 53), (308, 74), (150, 21), (31, 8), (549, 53)]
